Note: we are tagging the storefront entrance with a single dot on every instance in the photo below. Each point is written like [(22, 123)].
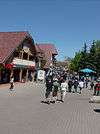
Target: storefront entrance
[(5, 76), (16, 73)]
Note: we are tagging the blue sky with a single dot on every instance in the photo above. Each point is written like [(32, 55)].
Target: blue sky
[(65, 23)]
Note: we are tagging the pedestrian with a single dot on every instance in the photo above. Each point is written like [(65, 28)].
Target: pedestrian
[(97, 88), (35, 76), (86, 82), (64, 87), (56, 87), (49, 84), (75, 85), (60, 80), (81, 85), (91, 85), (50, 72), (70, 84), (11, 83)]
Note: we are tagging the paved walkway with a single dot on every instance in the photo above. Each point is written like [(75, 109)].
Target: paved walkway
[(22, 112)]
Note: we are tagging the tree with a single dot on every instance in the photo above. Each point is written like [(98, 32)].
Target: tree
[(85, 58), (74, 66), (97, 56)]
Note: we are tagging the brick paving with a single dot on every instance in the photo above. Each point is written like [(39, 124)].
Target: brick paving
[(22, 112)]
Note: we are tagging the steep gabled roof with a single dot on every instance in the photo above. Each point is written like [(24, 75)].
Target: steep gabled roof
[(38, 48), (48, 47), (49, 50), (9, 41)]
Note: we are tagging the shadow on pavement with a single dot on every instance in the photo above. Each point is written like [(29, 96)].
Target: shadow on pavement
[(45, 102), (97, 110)]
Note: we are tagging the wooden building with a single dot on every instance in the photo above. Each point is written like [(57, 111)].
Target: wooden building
[(50, 52), (21, 57), (17, 56)]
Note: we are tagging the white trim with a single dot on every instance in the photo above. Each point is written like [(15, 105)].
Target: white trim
[(21, 62)]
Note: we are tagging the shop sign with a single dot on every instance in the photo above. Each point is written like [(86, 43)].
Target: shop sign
[(41, 75), (23, 63)]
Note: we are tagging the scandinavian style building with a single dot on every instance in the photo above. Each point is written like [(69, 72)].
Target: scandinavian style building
[(20, 56), (49, 52)]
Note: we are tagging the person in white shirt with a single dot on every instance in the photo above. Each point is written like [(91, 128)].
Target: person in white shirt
[(81, 85), (64, 87)]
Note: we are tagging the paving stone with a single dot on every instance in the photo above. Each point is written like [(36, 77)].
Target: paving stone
[(21, 112)]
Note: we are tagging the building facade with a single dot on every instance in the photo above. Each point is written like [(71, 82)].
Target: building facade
[(50, 52), (17, 56), (21, 57)]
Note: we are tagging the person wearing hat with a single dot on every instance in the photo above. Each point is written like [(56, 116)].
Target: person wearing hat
[(97, 88)]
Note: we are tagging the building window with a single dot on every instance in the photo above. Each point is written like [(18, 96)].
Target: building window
[(25, 56)]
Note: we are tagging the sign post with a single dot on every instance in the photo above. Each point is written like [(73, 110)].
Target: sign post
[(41, 75)]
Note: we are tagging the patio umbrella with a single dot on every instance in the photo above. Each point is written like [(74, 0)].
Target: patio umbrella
[(87, 70)]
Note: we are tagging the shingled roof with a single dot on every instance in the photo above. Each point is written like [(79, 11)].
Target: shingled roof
[(49, 50), (48, 47), (9, 41)]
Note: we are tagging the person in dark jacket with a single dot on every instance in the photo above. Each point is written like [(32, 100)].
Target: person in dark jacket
[(91, 85), (75, 85), (70, 84), (49, 84)]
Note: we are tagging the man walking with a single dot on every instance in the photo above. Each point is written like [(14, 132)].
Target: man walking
[(70, 84), (49, 84), (76, 85)]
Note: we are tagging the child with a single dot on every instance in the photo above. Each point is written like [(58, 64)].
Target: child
[(56, 87), (64, 87), (11, 83)]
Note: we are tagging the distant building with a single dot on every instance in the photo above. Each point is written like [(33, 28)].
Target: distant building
[(49, 51)]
